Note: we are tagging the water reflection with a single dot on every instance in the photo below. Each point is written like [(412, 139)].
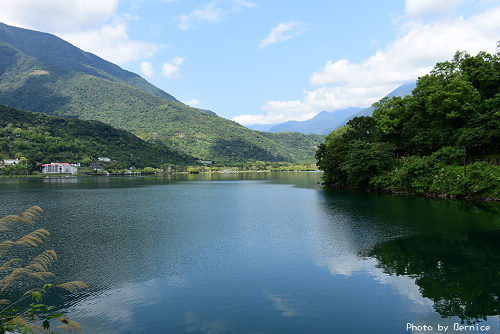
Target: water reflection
[(113, 311), (194, 324), (261, 252), (59, 180), (283, 304), (437, 253), (352, 223), (461, 276)]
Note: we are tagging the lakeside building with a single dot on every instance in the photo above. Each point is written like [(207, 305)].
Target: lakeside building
[(104, 159), (59, 168), (7, 162), (96, 167)]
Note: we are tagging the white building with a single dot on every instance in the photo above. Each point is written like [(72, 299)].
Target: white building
[(7, 162), (104, 159), (59, 168)]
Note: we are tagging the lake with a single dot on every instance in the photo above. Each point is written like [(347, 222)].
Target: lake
[(263, 253)]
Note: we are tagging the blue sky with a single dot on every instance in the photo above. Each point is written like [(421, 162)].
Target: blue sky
[(261, 62)]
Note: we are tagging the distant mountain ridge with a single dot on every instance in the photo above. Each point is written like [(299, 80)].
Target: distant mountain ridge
[(325, 122), (322, 123), (40, 72)]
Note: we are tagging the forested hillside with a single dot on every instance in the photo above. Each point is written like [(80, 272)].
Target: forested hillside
[(426, 142), (44, 139)]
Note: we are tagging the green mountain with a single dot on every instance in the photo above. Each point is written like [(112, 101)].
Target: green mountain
[(45, 49), (43, 138), (42, 73)]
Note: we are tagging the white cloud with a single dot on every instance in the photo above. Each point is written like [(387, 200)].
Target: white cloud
[(171, 69), (413, 53), (210, 13), (241, 4), (111, 42), (431, 8), (323, 98), (147, 69), (283, 32), (192, 102), (57, 15), (91, 25)]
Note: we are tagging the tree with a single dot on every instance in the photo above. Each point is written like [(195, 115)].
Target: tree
[(331, 155), (16, 315), (366, 160), (482, 71), (363, 128)]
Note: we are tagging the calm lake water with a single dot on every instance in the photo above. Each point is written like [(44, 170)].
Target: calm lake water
[(263, 253)]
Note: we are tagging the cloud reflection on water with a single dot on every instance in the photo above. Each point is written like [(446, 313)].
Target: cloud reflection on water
[(283, 304), (117, 306)]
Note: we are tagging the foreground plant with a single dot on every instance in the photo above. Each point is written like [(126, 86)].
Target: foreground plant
[(16, 316)]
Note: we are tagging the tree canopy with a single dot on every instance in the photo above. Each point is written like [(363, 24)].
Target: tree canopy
[(454, 110)]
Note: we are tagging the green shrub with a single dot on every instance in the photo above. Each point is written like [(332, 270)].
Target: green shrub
[(421, 174), (478, 179)]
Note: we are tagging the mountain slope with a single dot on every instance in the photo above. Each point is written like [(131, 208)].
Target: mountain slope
[(53, 50), (34, 76), (45, 139)]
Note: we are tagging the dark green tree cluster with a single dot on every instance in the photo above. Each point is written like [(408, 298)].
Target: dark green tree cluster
[(415, 143)]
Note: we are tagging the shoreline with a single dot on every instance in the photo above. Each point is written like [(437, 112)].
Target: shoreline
[(227, 171), (409, 193)]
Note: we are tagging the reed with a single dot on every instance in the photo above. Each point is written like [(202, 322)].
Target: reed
[(15, 316)]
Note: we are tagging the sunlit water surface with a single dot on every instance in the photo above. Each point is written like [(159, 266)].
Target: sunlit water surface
[(263, 253)]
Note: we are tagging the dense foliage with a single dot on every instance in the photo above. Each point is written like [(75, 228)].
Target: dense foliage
[(416, 143), (41, 77), (37, 137)]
